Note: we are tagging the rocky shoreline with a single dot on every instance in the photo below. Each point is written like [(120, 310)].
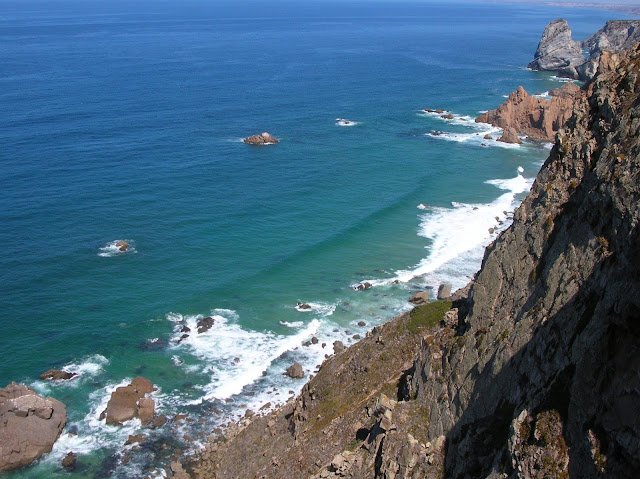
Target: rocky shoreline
[(532, 373)]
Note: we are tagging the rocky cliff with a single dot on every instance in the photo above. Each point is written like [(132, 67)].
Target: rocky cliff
[(558, 52), (534, 372)]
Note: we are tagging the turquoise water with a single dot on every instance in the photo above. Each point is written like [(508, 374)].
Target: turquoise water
[(124, 120)]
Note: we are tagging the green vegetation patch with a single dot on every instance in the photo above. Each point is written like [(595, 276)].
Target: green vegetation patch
[(427, 315)]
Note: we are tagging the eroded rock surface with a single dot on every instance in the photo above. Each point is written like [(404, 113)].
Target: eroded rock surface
[(557, 51), (29, 425)]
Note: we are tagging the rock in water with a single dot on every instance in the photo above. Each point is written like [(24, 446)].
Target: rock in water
[(263, 139), (538, 118), (510, 135), (295, 371), (127, 402), (56, 375), (122, 246), (29, 425), (69, 461), (557, 51)]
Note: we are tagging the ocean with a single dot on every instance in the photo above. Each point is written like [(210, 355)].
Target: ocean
[(123, 121)]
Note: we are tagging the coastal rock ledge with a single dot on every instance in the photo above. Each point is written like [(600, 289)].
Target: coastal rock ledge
[(29, 425)]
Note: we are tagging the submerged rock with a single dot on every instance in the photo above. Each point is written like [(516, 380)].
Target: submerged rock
[(29, 425)]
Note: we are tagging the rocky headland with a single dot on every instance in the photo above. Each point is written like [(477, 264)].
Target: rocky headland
[(538, 118), (558, 52), (532, 371)]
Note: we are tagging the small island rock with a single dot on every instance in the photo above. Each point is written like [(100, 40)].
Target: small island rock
[(295, 371), (263, 139)]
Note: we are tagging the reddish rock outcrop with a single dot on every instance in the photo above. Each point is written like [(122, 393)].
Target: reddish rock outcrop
[(538, 118), (263, 139), (29, 425), (128, 402)]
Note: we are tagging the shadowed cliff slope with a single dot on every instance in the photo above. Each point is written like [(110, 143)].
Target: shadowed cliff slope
[(535, 372)]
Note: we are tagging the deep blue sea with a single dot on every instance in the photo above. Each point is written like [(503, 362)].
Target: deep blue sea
[(123, 120)]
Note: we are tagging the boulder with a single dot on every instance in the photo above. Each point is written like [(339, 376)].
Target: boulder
[(448, 116), (338, 347), (510, 135), (56, 375), (363, 286), (263, 139), (128, 402), (488, 137), (122, 246), (69, 461), (444, 291), (205, 324), (557, 51), (295, 371), (303, 306), (420, 298), (29, 425)]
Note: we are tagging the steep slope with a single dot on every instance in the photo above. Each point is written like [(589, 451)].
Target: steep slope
[(534, 373)]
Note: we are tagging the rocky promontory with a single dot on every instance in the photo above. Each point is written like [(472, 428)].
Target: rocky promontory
[(533, 371), (29, 425), (558, 52), (538, 118)]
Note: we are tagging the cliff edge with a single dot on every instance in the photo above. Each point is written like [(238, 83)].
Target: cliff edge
[(533, 372)]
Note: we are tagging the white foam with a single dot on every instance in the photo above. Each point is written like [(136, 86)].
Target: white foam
[(456, 231), (111, 248), (422, 206), (293, 324), (345, 122), (544, 95), (324, 309), (233, 356)]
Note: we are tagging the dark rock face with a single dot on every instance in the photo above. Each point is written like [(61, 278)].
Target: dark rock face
[(29, 425), (554, 311), (557, 51)]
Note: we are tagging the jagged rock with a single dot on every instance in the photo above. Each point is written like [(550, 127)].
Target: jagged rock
[(303, 306), (338, 347), (263, 139), (127, 402), (444, 291), (295, 371), (538, 118), (69, 461), (205, 324), (29, 425), (56, 375), (557, 51), (420, 298)]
